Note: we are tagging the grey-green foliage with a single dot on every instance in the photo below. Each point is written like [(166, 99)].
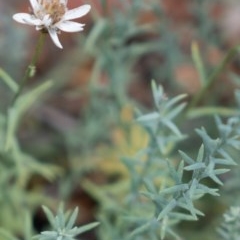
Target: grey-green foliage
[(230, 227), (116, 44), (175, 202), (160, 196), (159, 124), (63, 225), (137, 216), (16, 166)]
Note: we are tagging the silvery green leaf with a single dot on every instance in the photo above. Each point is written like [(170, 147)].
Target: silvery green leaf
[(200, 154), (215, 178), (8, 81), (193, 186), (183, 216), (221, 171), (167, 209), (202, 189), (172, 127), (174, 189), (186, 158), (49, 216), (139, 230), (149, 195), (170, 103), (72, 219), (180, 170), (25, 101), (226, 156), (223, 161), (164, 225), (235, 143), (190, 206), (60, 218), (12, 120), (51, 234), (72, 231), (57, 222), (175, 112), (148, 117), (95, 34), (173, 173), (60, 237), (150, 186), (195, 166), (86, 228), (210, 145), (157, 93), (46, 237), (224, 130)]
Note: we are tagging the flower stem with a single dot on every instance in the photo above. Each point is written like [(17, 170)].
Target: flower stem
[(213, 77), (30, 71)]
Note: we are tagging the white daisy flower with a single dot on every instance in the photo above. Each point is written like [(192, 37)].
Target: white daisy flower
[(53, 17)]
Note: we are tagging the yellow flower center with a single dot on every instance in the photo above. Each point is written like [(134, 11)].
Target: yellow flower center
[(54, 8)]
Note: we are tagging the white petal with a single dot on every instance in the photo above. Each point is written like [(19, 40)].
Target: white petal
[(64, 2), (35, 5), (77, 12), (69, 26), (26, 18), (47, 21), (54, 37)]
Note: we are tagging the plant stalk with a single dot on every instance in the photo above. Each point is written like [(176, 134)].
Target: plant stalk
[(213, 77), (30, 70)]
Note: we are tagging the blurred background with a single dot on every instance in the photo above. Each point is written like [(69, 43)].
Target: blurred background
[(83, 125)]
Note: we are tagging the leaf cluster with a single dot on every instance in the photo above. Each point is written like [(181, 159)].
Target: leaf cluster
[(63, 225), (162, 190), (230, 227)]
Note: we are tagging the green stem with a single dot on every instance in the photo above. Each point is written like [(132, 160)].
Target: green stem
[(29, 72), (213, 77)]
